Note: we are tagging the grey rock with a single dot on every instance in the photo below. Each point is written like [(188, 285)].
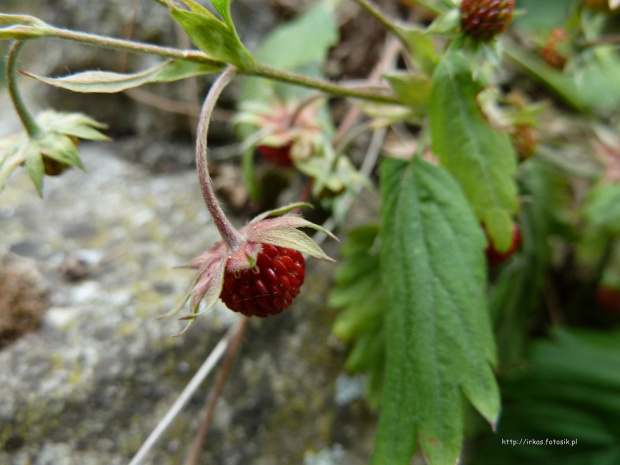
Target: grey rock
[(91, 384)]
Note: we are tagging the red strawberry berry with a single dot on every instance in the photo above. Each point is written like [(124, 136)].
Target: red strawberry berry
[(495, 257), (269, 287), (279, 156), (484, 19)]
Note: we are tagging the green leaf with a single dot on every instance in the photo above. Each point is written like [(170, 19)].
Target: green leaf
[(440, 344), (359, 296), (109, 82), (518, 291), (217, 39), (34, 165), (481, 159), (60, 148), (569, 392), (413, 89)]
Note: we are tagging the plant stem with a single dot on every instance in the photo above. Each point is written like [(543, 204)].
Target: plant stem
[(231, 236), (215, 393), (32, 128), (387, 23), (131, 46), (265, 71), (258, 69)]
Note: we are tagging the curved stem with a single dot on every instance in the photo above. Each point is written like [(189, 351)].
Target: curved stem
[(231, 236), (32, 128)]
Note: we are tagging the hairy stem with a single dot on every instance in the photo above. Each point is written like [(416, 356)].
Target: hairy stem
[(32, 128), (258, 69), (130, 46), (231, 236), (265, 71)]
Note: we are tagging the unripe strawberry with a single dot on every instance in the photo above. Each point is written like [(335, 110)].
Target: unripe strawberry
[(267, 288), (495, 257), (524, 141), (550, 53), (279, 156), (484, 19)]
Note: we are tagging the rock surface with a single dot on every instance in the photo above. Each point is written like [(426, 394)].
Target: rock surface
[(91, 384)]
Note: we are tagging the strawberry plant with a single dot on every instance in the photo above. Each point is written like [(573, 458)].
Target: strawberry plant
[(494, 261)]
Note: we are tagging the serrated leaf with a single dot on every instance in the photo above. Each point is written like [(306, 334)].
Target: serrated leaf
[(440, 344), (212, 36), (481, 159), (109, 82), (34, 165)]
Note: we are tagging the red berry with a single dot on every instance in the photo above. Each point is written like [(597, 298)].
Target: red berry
[(495, 257), (280, 156), (608, 298), (484, 19), (269, 287)]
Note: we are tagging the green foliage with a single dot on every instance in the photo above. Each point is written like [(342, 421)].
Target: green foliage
[(518, 290), (440, 344), (109, 82), (217, 39), (481, 159), (602, 210), (359, 296), (298, 45), (569, 392)]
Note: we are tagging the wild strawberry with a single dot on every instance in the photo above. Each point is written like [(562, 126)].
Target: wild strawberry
[(495, 257), (287, 132), (550, 53), (598, 5), (279, 156), (267, 288), (482, 20), (256, 270), (524, 140)]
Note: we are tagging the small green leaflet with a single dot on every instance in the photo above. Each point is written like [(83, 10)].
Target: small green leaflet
[(216, 38), (359, 296), (482, 160), (109, 82), (439, 339)]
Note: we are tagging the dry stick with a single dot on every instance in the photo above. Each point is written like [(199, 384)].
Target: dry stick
[(186, 395), (392, 47), (192, 458)]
